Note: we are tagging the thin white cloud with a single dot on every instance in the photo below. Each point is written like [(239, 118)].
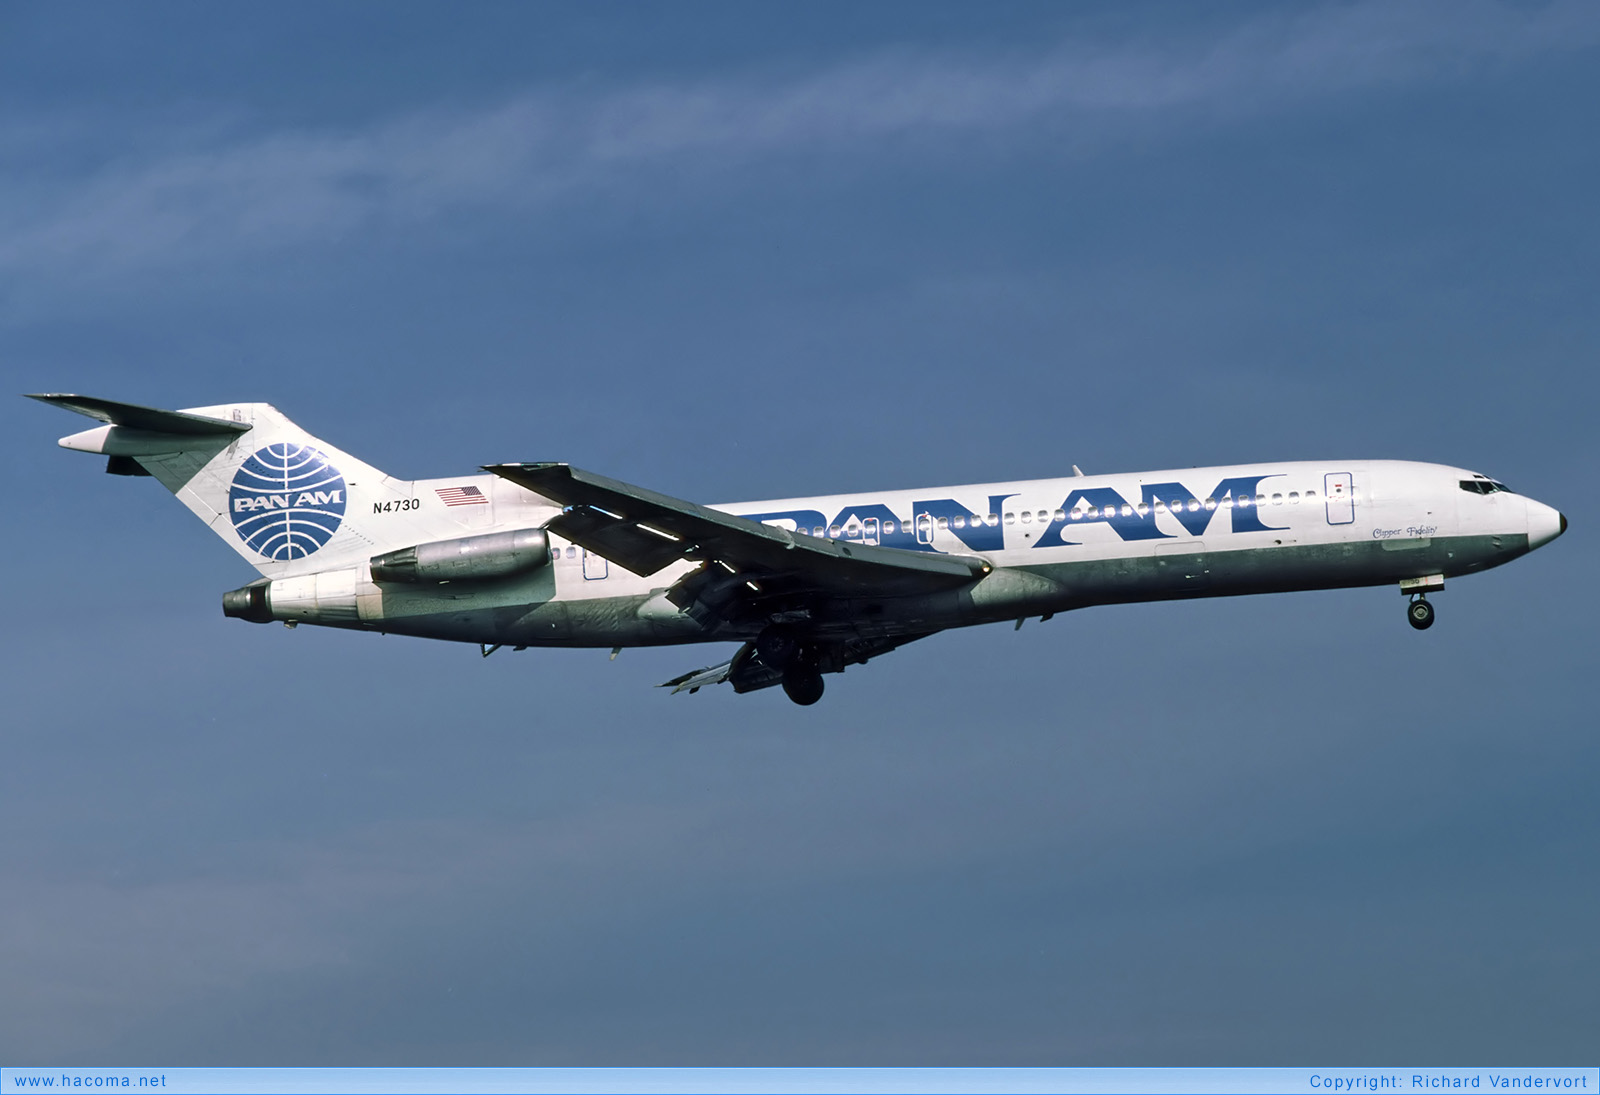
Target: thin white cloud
[(225, 195)]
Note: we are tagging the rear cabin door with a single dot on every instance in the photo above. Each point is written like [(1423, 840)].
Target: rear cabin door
[(1340, 493)]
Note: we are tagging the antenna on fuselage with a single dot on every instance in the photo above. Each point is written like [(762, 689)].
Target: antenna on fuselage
[(1077, 471)]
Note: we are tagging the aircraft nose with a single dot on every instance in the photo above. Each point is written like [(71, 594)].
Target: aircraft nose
[(1545, 523)]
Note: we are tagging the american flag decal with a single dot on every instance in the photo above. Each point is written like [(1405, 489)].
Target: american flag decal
[(461, 496)]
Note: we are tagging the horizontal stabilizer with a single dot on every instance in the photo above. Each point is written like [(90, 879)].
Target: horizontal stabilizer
[(125, 465), (149, 419)]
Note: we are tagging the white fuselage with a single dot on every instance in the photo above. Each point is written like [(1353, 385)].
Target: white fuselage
[(545, 554), (1054, 544)]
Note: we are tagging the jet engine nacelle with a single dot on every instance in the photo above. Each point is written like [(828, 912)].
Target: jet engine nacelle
[(468, 559), (328, 597)]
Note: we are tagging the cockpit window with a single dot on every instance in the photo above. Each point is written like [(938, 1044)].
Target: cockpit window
[(1483, 486)]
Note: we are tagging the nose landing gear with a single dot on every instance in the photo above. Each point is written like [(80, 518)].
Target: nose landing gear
[(1419, 612)]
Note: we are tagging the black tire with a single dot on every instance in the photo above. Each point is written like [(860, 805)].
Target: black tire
[(1420, 613), (777, 647), (802, 685)]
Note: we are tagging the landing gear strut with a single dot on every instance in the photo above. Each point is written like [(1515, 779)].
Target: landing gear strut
[(1420, 612), (785, 651)]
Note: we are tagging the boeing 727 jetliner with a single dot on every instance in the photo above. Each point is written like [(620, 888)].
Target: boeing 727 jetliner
[(551, 555)]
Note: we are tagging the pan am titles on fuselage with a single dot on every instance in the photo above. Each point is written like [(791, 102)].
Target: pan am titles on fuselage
[(541, 554)]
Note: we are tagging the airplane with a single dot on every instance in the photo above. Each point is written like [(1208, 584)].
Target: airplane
[(549, 555)]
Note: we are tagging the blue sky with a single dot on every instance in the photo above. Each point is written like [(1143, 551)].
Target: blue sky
[(743, 251)]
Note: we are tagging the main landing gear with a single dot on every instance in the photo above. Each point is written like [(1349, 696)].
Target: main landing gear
[(784, 651), (1420, 612), (802, 684)]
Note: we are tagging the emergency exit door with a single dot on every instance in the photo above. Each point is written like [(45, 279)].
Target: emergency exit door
[(1341, 495)]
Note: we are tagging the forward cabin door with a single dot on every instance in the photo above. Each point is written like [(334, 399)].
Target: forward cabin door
[(1341, 495)]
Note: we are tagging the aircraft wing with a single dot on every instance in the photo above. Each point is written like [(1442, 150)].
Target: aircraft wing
[(697, 679), (644, 531)]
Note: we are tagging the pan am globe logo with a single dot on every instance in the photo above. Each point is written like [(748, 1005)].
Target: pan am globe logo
[(286, 501)]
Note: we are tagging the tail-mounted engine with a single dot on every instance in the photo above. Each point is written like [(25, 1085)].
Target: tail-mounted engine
[(337, 597), (468, 559)]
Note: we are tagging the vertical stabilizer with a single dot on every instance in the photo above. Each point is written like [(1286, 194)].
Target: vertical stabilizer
[(286, 501)]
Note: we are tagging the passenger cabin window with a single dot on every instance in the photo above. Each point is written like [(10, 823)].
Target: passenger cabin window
[(1294, 498), (1011, 518)]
